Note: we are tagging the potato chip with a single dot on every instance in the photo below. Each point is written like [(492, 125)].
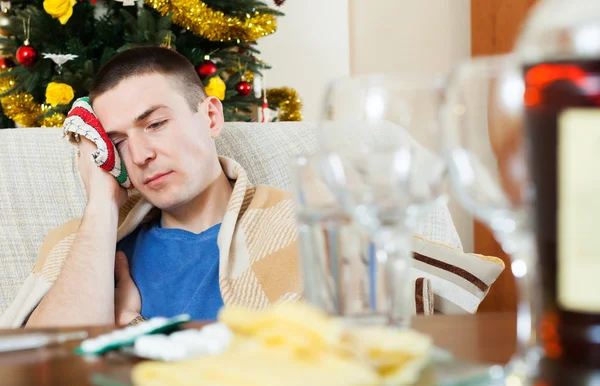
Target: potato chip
[(398, 355), (296, 344), (295, 325), (270, 366)]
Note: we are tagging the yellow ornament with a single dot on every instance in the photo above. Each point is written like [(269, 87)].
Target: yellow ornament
[(60, 9), (216, 87), (59, 94)]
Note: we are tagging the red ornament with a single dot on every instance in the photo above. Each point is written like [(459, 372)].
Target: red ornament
[(6, 63), (279, 3), (26, 55), (243, 88), (206, 69)]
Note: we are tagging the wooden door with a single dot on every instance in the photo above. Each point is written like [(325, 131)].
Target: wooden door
[(494, 26)]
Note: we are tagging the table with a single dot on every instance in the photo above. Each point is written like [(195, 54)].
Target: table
[(487, 337)]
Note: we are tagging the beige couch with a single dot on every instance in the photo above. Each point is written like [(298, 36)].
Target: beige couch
[(40, 187)]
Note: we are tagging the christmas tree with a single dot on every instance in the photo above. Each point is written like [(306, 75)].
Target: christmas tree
[(51, 49)]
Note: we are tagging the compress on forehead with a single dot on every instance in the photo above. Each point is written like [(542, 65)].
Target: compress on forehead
[(150, 60)]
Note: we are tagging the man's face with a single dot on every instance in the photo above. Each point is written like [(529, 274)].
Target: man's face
[(167, 147)]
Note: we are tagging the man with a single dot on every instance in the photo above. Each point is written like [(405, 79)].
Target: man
[(195, 236)]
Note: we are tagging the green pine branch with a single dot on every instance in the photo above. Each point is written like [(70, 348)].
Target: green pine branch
[(242, 7)]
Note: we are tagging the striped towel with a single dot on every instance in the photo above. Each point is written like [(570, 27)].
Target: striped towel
[(81, 121)]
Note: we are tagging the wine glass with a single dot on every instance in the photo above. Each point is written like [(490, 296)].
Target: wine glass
[(380, 157), (334, 253), (486, 155)]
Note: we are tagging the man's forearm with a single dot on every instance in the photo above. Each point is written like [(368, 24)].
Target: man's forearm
[(84, 291)]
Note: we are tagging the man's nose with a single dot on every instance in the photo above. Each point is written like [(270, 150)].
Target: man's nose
[(141, 150)]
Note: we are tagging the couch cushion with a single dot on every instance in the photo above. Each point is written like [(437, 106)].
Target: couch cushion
[(40, 187), (265, 150)]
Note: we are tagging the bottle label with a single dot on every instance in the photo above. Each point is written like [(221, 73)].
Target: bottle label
[(578, 249)]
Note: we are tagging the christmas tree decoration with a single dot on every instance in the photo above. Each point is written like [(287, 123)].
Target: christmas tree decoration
[(279, 3), (60, 9), (243, 88), (257, 85), (216, 87), (22, 108), (59, 94), (248, 76), (70, 33), (288, 103), (5, 23), (198, 17), (167, 42), (6, 63), (26, 55), (206, 69), (265, 112), (260, 90), (59, 59)]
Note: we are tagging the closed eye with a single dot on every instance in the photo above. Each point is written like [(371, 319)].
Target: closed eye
[(157, 125), (119, 143)]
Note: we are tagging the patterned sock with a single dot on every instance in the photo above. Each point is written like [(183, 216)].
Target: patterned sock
[(81, 121)]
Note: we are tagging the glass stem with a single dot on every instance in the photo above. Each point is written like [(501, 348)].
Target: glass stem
[(524, 269), (391, 273), (318, 288)]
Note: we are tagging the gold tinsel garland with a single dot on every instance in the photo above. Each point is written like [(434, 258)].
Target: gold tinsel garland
[(287, 101), (24, 110), (214, 25), (248, 76)]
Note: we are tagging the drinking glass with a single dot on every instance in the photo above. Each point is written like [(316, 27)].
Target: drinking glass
[(341, 275), (380, 159), (385, 135), (486, 155)]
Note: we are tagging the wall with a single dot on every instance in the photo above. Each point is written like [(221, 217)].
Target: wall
[(409, 35), (309, 49)]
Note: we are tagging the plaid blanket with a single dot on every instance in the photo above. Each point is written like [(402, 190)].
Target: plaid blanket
[(258, 263)]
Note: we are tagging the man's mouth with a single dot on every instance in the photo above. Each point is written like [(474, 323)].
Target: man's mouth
[(156, 179)]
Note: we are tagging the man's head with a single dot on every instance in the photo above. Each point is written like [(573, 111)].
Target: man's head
[(152, 104)]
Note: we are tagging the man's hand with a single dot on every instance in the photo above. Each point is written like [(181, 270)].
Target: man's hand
[(100, 186), (84, 293), (128, 302)]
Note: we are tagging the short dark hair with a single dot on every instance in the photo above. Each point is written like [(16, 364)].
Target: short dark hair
[(150, 60)]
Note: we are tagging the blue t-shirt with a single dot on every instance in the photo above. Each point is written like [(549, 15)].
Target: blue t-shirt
[(176, 271)]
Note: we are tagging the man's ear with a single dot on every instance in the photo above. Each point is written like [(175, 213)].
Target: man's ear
[(213, 108)]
